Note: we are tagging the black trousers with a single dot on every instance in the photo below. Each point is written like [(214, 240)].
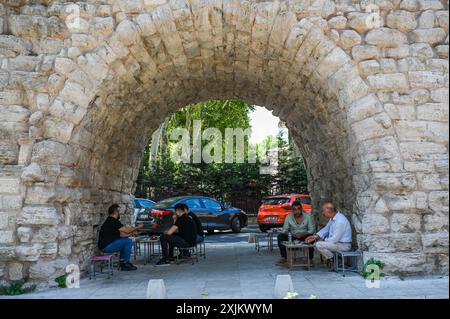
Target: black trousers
[(284, 237), (169, 242)]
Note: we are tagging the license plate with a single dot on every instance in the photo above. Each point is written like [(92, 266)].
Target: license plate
[(143, 217), (271, 218)]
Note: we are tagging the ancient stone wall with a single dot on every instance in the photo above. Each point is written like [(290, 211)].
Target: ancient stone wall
[(362, 86)]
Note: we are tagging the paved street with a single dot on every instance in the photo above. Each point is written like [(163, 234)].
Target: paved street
[(234, 269)]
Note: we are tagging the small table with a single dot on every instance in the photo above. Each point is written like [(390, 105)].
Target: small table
[(150, 246), (297, 254)]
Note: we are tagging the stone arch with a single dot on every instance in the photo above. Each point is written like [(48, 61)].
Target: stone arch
[(341, 85)]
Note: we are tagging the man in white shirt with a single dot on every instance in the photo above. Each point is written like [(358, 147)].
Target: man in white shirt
[(335, 236)]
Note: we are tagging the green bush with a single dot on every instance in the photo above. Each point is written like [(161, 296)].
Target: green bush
[(366, 271), (17, 288), (61, 281)]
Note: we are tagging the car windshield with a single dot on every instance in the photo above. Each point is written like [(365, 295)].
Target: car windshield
[(275, 200), (168, 201), (146, 203)]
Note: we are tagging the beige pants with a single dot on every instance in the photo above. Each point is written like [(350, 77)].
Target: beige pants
[(327, 249)]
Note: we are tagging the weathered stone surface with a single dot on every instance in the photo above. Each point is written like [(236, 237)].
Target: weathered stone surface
[(432, 36), (435, 242), (386, 38), (48, 270), (28, 252), (38, 215), (366, 85), (405, 223), (402, 20)]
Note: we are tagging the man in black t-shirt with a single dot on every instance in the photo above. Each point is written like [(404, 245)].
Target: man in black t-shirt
[(113, 237), (199, 227), (183, 233)]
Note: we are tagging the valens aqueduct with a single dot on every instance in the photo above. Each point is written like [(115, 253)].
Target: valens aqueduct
[(361, 84)]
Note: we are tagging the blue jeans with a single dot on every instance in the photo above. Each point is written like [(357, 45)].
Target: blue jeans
[(200, 239), (124, 245)]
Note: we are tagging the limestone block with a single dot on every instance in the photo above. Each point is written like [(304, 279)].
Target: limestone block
[(283, 285), (400, 112), (48, 269), (38, 215), (77, 94), (421, 50), (15, 271), (430, 5), (58, 129), (24, 234), (25, 252), (427, 20), (391, 243), (405, 223), (402, 20), (7, 253), (386, 38), (9, 185), (432, 36), (127, 32), (52, 152), (65, 248), (375, 224), (389, 82), (363, 21), (45, 235), (156, 289), (338, 22), (49, 251), (435, 221), (15, 44), (426, 79), (442, 51), (4, 220), (64, 65), (435, 242), (10, 202), (442, 19), (369, 67), (410, 5), (438, 201), (365, 52), (349, 38), (6, 237), (394, 181), (433, 111)]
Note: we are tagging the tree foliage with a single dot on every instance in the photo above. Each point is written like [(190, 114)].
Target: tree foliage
[(159, 177)]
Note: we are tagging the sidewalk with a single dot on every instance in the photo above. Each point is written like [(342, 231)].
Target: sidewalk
[(237, 270)]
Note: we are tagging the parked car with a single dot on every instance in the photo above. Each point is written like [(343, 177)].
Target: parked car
[(213, 214), (140, 205), (274, 209)]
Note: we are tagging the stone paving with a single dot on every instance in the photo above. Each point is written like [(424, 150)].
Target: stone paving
[(234, 270)]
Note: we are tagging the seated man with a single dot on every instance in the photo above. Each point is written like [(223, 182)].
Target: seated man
[(113, 237), (300, 224), (335, 236), (182, 234), (199, 227)]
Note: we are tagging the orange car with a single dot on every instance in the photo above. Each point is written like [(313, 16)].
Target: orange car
[(274, 209)]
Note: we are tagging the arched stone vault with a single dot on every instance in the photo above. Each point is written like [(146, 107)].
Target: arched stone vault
[(367, 104)]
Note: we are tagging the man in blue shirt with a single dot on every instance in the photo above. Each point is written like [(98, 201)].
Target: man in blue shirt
[(335, 236)]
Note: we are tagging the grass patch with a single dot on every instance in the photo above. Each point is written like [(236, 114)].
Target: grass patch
[(17, 287)]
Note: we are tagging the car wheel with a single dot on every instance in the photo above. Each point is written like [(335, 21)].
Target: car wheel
[(236, 225), (263, 229)]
